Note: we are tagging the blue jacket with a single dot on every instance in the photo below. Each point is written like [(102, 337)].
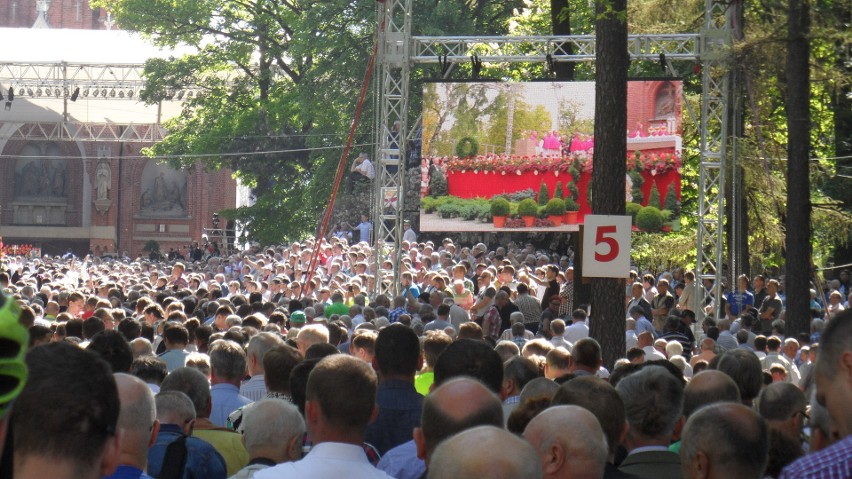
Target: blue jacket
[(202, 460)]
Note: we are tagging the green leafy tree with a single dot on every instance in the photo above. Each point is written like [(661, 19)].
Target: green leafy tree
[(526, 118), (464, 103), (761, 35), (268, 84), (278, 84)]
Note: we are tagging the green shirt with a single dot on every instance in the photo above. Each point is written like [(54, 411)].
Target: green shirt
[(336, 308), (423, 382)]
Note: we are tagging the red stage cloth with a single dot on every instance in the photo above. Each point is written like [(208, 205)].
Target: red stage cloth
[(487, 185), (662, 180)]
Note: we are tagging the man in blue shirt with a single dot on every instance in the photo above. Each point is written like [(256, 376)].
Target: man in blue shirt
[(397, 359), (410, 289), (642, 322), (176, 414), (738, 301), (175, 337), (398, 310), (227, 368)]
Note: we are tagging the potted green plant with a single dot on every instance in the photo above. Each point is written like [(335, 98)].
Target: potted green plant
[(500, 209), (571, 211), (633, 209), (667, 218), (528, 209), (649, 218), (555, 211)]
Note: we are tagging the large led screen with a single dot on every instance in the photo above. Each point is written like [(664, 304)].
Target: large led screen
[(495, 155)]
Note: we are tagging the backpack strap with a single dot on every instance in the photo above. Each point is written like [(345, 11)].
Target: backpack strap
[(174, 461)]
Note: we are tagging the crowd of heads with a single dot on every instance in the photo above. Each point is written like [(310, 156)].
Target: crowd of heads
[(481, 364)]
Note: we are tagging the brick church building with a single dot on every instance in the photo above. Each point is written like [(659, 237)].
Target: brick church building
[(72, 175)]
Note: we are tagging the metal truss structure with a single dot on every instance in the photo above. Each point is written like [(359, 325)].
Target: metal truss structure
[(393, 68), (715, 44), (80, 131), (399, 51), (60, 79), (525, 49)]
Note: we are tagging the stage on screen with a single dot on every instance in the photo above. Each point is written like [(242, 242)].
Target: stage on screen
[(519, 156)]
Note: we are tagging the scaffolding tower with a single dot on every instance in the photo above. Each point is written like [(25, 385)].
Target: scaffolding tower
[(399, 51)]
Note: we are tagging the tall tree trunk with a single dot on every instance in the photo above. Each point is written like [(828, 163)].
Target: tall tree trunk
[(560, 19), (607, 322), (798, 223)]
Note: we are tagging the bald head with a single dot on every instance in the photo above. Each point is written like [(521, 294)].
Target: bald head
[(137, 419), (782, 405), (455, 406), (708, 387), (138, 411), (780, 401), (724, 440), (485, 451), (601, 399), (581, 454), (539, 388)]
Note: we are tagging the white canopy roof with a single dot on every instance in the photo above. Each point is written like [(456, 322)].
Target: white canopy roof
[(29, 45)]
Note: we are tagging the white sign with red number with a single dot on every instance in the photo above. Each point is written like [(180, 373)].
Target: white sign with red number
[(606, 246)]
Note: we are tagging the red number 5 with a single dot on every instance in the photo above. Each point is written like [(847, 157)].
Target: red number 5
[(602, 238)]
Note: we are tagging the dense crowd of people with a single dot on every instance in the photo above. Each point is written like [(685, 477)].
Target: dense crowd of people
[(252, 365)]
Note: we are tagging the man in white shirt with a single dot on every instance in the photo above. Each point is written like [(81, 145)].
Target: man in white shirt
[(630, 333), (408, 234), (336, 422), (361, 170), (557, 327), (259, 344), (790, 348), (774, 355), (578, 329), (645, 340)]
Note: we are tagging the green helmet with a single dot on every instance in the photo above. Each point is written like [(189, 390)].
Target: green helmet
[(14, 340)]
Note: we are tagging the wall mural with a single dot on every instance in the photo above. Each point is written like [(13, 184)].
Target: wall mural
[(40, 172), (163, 191)]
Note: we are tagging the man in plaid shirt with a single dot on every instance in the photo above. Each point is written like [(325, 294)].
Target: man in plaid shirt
[(567, 294), (529, 306), (491, 323), (833, 374)]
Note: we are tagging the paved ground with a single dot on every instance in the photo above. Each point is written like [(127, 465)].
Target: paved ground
[(431, 222)]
